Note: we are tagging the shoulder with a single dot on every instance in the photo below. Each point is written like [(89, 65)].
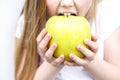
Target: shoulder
[(112, 47), (115, 35)]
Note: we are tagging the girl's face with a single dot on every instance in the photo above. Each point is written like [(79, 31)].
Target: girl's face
[(73, 7)]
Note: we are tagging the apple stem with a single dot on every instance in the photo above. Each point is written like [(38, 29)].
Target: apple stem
[(67, 14)]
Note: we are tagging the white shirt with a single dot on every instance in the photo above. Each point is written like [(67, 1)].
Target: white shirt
[(107, 22)]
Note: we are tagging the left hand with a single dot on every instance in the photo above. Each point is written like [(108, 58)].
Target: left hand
[(47, 53), (89, 53)]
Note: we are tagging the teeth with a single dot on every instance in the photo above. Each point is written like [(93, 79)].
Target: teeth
[(66, 14)]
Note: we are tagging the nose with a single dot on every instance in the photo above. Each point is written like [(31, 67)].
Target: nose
[(67, 3)]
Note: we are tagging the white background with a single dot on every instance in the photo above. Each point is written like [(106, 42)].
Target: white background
[(9, 13), (110, 17)]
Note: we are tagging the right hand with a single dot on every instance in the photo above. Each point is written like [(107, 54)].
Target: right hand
[(47, 53)]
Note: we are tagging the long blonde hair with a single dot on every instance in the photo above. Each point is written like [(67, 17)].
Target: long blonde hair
[(92, 11), (35, 13)]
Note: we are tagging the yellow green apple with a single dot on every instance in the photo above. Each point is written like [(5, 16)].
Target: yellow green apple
[(68, 32)]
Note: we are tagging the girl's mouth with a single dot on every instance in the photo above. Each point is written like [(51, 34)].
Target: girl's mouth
[(61, 14)]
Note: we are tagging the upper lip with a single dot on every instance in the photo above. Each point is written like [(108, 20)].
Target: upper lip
[(69, 12)]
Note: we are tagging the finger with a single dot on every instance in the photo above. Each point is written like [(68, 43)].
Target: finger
[(41, 35), (70, 63), (94, 37), (42, 47), (88, 54), (41, 53), (43, 44), (92, 45), (50, 52), (58, 61), (79, 61)]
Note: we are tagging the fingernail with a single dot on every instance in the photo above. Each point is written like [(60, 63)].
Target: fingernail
[(86, 41), (62, 56), (54, 45), (79, 46), (71, 55)]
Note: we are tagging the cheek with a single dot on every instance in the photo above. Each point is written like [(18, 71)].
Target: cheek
[(84, 7), (48, 4), (51, 7), (50, 12)]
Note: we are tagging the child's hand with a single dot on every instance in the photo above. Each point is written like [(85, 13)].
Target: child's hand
[(89, 53), (42, 43)]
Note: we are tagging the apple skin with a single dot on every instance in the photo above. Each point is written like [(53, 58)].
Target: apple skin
[(68, 32)]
